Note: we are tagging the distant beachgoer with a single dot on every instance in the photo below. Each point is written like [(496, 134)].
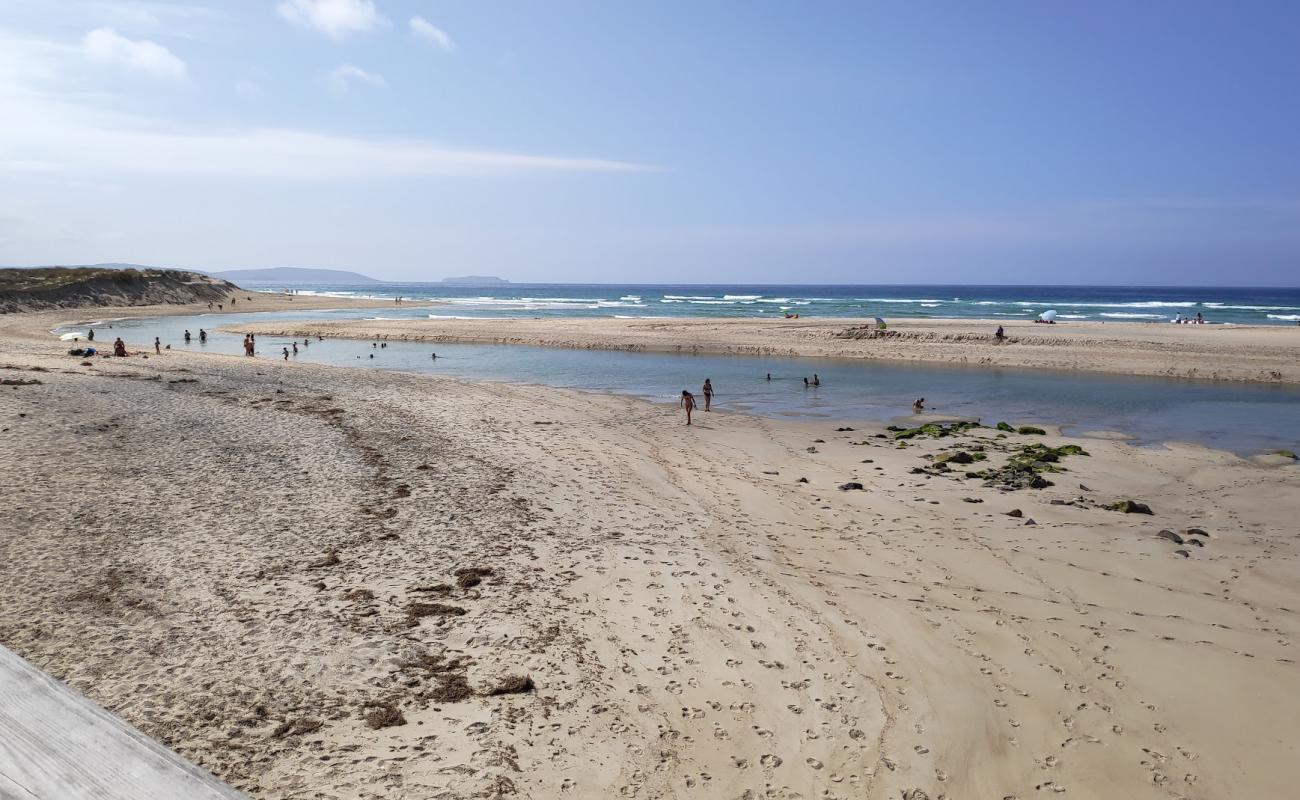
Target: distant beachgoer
[(187, 337), (1000, 335), (769, 376), (372, 355), (805, 383), (286, 353), (90, 335), (918, 406), (434, 356), (295, 348), (157, 345), (305, 342), (374, 344), (203, 336), (119, 348), (1200, 320), (816, 380), (688, 403), (708, 395)]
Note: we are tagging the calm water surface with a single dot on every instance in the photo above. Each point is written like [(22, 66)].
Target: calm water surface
[(1243, 418)]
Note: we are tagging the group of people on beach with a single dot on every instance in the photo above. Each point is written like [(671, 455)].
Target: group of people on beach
[(1179, 319)]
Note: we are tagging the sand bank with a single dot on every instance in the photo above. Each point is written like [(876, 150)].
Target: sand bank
[(341, 583), (37, 324), (1236, 353)]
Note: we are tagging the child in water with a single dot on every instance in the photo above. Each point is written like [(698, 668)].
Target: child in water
[(688, 403)]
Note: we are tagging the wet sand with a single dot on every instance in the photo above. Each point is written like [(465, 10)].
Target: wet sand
[(336, 583), (1235, 353)]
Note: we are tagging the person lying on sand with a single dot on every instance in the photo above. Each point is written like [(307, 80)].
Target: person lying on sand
[(688, 403)]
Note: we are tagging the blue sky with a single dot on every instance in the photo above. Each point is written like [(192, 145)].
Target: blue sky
[(856, 142)]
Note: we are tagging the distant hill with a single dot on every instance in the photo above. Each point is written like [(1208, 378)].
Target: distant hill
[(82, 287), (475, 280), (294, 275)]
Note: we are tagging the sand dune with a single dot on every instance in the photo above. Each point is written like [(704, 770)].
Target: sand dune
[(313, 581), (1238, 353)]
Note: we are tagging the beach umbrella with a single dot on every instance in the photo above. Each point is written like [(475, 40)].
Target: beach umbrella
[(880, 324), (1048, 316)]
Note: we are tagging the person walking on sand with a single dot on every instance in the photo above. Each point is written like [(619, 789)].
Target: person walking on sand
[(688, 403), (157, 345), (708, 395)]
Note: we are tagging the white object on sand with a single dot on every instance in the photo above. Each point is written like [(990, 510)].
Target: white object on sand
[(1048, 316)]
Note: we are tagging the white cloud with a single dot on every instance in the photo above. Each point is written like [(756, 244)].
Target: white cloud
[(51, 136), (336, 19), (426, 30), (107, 46), (343, 77)]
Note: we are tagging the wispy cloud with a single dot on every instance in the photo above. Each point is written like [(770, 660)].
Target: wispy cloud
[(426, 30), (337, 19), (107, 46), (345, 76)]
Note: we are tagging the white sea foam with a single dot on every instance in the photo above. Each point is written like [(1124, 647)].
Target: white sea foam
[(895, 300), (1139, 304), (1217, 306), (741, 296), (1289, 317), (1129, 315), (689, 297)]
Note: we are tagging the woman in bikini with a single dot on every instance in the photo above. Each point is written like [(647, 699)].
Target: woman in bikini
[(688, 403)]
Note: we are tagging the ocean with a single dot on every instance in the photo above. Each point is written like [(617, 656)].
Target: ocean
[(1240, 306)]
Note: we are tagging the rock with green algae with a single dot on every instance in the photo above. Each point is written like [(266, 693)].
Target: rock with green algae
[(934, 430), (1003, 426), (1130, 507), (1030, 430)]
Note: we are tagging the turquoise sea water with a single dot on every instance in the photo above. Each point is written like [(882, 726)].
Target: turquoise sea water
[(1243, 418)]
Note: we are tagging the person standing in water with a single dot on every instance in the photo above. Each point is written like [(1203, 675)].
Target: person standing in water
[(90, 335), (918, 406), (295, 348), (203, 336), (286, 354), (157, 345), (816, 380), (187, 337), (688, 403), (708, 395)]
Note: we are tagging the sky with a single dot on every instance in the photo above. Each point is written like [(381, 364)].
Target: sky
[(750, 141)]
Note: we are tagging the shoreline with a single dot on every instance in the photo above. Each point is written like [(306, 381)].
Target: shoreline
[(1257, 354), (665, 590)]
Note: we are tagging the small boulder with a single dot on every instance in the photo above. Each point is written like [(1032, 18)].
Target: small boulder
[(1015, 512), (844, 487), (1129, 507), (971, 500), (1031, 430)]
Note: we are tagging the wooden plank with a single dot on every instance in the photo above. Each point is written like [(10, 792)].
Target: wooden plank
[(57, 745)]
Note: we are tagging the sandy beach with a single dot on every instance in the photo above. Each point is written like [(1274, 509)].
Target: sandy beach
[(334, 583), (1219, 352)]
